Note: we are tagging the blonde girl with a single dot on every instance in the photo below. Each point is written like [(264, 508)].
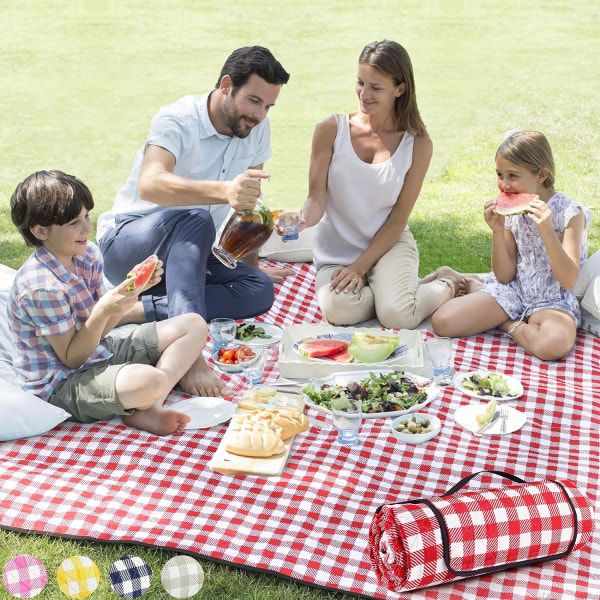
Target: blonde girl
[(536, 257)]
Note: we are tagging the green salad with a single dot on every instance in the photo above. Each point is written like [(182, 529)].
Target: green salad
[(378, 392), (490, 384)]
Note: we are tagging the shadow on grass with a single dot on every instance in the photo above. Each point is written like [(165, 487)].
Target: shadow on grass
[(450, 241)]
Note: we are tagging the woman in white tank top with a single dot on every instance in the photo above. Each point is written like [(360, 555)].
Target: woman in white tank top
[(366, 172)]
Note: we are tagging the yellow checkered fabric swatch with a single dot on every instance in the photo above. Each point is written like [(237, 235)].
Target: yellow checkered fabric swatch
[(78, 577)]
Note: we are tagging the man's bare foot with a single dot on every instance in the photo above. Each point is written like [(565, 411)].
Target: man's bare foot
[(444, 273), (469, 284), (158, 420), (277, 274), (201, 381)]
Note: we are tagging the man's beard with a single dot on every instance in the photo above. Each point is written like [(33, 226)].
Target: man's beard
[(233, 119)]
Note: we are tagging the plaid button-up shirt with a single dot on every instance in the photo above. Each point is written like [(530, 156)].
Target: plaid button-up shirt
[(47, 299)]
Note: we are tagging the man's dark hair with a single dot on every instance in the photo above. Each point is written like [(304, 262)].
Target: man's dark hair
[(244, 62), (48, 198)]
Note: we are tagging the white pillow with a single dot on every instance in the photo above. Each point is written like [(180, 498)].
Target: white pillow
[(299, 250), (22, 414)]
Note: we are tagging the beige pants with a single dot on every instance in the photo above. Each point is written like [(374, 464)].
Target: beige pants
[(391, 291)]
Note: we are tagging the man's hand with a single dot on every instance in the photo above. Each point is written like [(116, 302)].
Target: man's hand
[(243, 192)]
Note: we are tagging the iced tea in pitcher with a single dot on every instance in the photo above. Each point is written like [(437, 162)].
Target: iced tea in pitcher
[(244, 232)]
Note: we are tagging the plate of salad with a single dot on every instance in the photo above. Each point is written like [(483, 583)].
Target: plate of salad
[(253, 333), (486, 385), (384, 393)]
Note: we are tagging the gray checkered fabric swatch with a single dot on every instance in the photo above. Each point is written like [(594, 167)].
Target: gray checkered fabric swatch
[(182, 576)]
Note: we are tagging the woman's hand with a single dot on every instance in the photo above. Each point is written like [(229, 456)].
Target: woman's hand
[(288, 219), (346, 280)]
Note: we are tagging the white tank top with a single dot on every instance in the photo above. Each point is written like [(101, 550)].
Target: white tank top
[(360, 197)]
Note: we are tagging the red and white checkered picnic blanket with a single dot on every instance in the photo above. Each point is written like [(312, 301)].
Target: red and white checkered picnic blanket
[(107, 482)]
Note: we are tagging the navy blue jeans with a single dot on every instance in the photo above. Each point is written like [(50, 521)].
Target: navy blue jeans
[(194, 280)]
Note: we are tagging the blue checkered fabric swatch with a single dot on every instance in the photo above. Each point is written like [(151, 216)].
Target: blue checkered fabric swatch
[(130, 576)]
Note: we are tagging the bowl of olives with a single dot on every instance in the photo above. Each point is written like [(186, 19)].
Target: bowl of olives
[(415, 428)]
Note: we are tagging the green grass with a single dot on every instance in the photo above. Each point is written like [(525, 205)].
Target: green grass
[(81, 81)]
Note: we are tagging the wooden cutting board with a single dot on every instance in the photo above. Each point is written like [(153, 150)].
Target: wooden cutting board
[(231, 464), (227, 463)]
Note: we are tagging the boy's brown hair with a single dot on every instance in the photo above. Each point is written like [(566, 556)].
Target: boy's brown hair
[(47, 198)]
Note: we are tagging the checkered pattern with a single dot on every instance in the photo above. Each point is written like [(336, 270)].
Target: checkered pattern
[(130, 576), (182, 577), (78, 577), (491, 528), (108, 482), (24, 576)]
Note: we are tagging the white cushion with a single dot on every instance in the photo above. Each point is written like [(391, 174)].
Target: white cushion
[(299, 250), (587, 288), (22, 414)]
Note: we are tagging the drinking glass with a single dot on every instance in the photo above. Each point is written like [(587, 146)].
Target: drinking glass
[(347, 417), (253, 366), (290, 224), (439, 351), (222, 331)]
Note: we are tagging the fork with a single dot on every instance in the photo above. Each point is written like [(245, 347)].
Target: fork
[(503, 417)]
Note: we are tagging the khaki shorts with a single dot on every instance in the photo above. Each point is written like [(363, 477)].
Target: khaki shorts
[(90, 394)]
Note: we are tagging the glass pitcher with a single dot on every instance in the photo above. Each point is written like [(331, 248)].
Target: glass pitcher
[(244, 232)]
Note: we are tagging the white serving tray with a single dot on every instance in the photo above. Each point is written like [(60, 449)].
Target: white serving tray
[(294, 366)]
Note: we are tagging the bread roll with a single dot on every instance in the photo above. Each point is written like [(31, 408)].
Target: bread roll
[(248, 437)]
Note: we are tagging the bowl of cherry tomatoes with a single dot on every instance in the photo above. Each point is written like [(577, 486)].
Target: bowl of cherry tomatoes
[(228, 358)]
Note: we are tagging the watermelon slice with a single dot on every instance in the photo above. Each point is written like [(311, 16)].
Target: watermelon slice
[(142, 273), (315, 348), (513, 204), (343, 356)]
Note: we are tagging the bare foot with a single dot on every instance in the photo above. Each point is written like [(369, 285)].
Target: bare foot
[(469, 284), (277, 274), (444, 273), (201, 381), (158, 420), (510, 326)]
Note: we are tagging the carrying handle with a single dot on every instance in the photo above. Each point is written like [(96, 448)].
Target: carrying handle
[(468, 478)]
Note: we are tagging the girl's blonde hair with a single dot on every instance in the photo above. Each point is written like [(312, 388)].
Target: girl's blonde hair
[(531, 150), (391, 59)]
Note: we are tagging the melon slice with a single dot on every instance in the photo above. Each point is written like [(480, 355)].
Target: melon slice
[(142, 273), (488, 412), (316, 348), (369, 348), (513, 204)]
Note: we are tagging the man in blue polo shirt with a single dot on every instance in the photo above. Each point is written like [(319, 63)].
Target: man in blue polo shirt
[(204, 156)]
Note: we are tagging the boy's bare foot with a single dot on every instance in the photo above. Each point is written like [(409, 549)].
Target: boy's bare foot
[(201, 381), (158, 420), (469, 284)]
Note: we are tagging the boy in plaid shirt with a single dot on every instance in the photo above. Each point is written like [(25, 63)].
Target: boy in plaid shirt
[(60, 315)]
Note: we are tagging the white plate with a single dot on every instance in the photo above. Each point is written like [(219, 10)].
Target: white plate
[(342, 378), (273, 330), (401, 350), (465, 416), (205, 411), (514, 385)]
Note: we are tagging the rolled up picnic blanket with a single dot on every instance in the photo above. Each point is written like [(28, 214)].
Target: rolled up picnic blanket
[(419, 543)]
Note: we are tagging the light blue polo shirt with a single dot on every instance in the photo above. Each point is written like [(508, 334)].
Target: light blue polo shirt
[(186, 131)]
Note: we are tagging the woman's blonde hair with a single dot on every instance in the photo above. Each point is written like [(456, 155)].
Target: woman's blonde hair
[(531, 150), (391, 59)]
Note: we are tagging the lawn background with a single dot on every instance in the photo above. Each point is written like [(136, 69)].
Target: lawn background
[(81, 81)]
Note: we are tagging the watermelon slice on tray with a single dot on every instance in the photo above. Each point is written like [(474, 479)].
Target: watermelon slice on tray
[(142, 273), (319, 347), (513, 204)]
